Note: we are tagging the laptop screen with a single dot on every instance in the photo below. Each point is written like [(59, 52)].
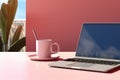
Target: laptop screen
[(99, 40)]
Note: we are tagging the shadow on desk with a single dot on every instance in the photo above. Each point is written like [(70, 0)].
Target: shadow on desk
[(114, 70), (47, 60)]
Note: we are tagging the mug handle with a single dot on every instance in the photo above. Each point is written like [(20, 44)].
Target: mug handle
[(58, 48)]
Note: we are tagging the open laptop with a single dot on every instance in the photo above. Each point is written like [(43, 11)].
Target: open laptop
[(98, 48)]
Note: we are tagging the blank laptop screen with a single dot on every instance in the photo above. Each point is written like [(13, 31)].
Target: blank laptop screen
[(99, 41)]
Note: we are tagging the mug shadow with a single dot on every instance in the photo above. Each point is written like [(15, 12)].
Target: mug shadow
[(31, 56)]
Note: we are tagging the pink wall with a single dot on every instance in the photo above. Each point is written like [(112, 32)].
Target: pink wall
[(61, 20)]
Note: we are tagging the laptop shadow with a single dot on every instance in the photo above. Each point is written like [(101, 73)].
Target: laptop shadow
[(114, 70)]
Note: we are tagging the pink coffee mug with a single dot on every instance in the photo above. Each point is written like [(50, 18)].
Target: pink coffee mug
[(44, 48)]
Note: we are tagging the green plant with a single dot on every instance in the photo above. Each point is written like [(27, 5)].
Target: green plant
[(7, 15)]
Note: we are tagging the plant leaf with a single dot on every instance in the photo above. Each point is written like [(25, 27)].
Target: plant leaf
[(9, 11), (18, 45), (2, 26), (1, 45), (5, 10), (17, 33), (12, 11)]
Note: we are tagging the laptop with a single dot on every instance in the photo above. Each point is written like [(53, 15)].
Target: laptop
[(98, 48)]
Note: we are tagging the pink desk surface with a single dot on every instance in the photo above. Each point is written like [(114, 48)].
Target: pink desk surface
[(18, 66)]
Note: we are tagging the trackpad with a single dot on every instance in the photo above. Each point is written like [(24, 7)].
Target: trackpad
[(76, 64)]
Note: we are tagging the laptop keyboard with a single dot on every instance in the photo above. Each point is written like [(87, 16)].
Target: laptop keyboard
[(92, 61)]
